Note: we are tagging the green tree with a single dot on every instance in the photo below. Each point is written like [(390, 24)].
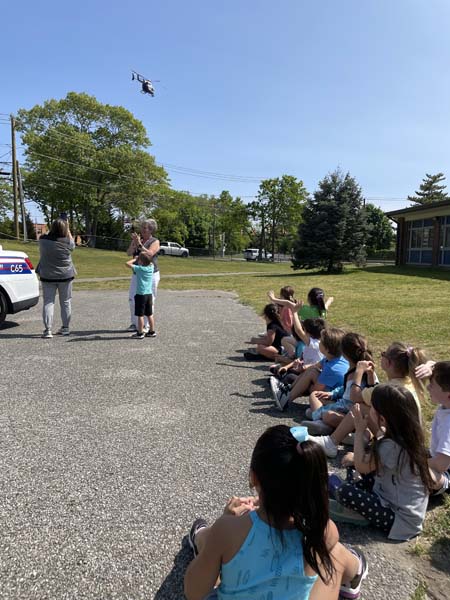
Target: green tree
[(231, 221), (334, 226), (430, 190), (278, 208), (6, 199), (380, 235), (87, 159)]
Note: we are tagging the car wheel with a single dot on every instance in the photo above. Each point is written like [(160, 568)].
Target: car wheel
[(161, 252), (3, 307), (185, 255)]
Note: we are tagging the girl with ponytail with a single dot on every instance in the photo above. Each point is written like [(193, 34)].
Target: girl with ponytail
[(280, 545)]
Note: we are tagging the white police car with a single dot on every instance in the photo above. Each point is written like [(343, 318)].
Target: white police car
[(19, 285)]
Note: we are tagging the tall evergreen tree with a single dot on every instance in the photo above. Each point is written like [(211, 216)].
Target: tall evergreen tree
[(334, 227), (430, 190)]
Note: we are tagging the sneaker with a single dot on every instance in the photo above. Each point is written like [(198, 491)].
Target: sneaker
[(282, 398), (63, 331), (47, 334), (341, 514), (275, 385), (352, 591), (317, 427), (138, 336), (151, 334), (131, 327), (196, 526), (327, 444)]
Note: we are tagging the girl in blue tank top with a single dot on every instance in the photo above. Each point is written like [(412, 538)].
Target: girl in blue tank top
[(279, 545)]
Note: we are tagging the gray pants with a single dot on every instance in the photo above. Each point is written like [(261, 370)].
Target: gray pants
[(65, 297)]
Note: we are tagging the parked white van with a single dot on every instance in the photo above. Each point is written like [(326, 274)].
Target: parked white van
[(19, 285)]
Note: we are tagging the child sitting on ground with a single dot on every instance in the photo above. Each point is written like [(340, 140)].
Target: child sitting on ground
[(393, 492), (325, 375), (399, 362), (309, 332), (143, 306), (316, 308), (282, 545), (268, 346), (439, 388), (331, 407)]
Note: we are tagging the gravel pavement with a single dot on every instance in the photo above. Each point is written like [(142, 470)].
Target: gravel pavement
[(110, 447)]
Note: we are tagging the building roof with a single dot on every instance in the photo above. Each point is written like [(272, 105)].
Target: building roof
[(418, 208)]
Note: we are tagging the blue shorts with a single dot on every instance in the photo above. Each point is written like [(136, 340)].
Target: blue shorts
[(341, 406)]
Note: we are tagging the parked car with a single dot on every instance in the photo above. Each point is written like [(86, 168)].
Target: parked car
[(253, 254), (173, 249), (19, 285)]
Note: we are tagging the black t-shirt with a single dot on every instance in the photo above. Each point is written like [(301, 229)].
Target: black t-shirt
[(279, 334)]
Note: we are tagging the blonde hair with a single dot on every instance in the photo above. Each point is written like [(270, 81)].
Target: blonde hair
[(405, 360)]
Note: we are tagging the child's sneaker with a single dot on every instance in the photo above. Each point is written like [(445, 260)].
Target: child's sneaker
[(131, 327), (327, 444), (138, 336), (63, 331), (47, 334), (196, 526), (352, 591), (150, 334)]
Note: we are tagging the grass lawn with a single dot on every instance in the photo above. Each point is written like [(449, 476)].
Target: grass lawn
[(107, 263)]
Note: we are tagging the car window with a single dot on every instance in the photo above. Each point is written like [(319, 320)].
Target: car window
[(176, 245)]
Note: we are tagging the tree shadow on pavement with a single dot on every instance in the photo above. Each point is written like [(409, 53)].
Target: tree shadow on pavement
[(172, 586)]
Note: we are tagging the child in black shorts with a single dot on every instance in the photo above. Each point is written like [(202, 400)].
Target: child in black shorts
[(143, 305)]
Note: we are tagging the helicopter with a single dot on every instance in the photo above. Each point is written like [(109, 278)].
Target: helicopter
[(147, 85)]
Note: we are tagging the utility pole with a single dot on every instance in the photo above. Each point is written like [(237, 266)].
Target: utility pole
[(22, 202), (14, 176)]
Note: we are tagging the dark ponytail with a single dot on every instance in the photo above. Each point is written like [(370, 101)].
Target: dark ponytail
[(294, 484), (354, 346), (271, 312), (316, 297)]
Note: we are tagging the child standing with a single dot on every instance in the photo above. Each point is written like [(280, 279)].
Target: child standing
[(281, 545), (439, 462), (143, 306), (393, 493)]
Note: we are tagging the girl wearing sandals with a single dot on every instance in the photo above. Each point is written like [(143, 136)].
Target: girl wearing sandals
[(280, 545)]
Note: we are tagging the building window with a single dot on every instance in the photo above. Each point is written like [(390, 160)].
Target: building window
[(420, 242), (444, 241)]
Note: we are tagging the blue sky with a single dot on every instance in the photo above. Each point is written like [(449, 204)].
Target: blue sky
[(252, 87)]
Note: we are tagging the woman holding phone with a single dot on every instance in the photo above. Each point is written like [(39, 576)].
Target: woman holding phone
[(148, 244), (56, 271)]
